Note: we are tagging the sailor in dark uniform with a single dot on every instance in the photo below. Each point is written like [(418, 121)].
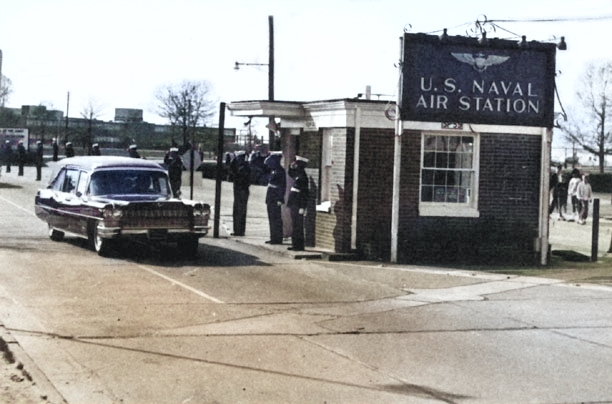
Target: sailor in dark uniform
[(8, 155), (275, 196), (95, 149), (174, 164), (69, 149), (241, 175), (21, 157), (39, 160), (297, 202), (55, 150), (133, 151)]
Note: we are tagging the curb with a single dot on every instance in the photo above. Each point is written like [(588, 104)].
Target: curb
[(14, 353)]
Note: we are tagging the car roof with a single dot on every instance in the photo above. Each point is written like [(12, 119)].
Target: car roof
[(91, 163)]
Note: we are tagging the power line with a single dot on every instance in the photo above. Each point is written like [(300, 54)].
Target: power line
[(569, 19)]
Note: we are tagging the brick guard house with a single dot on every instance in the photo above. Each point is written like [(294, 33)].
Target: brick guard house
[(463, 171)]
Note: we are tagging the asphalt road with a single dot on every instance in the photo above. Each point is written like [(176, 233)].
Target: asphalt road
[(243, 324)]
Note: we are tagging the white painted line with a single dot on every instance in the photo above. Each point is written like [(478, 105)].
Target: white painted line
[(18, 206), (182, 285)]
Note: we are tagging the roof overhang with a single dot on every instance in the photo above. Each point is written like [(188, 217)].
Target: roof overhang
[(316, 114), (281, 109)]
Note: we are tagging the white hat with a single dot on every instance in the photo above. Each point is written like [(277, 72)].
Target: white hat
[(300, 158), (174, 149), (133, 146)]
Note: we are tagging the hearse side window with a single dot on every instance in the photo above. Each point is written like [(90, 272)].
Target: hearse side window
[(83, 180), (71, 180), (58, 182)]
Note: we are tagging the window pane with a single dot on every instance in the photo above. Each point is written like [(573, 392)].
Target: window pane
[(447, 169)]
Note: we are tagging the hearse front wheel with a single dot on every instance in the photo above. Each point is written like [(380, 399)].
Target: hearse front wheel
[(55, 235), (101, 245)]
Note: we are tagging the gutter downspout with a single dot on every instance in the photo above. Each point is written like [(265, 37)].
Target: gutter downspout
[(544, 195), (357, 145)]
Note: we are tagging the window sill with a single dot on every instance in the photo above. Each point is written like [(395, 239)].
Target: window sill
[(448, 210)]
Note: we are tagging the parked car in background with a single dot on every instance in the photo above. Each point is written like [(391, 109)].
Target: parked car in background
[(107, 199)]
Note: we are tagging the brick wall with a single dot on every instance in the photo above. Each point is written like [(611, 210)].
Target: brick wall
[(375, 193), (509, 187)]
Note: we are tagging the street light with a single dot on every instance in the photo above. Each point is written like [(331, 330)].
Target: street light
[(238, 64)]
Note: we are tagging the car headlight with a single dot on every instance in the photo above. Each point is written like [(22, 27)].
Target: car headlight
[(201, 209), (112, 212)]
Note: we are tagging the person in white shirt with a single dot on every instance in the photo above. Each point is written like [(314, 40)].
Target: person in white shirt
[(585, 194), (572, 190)]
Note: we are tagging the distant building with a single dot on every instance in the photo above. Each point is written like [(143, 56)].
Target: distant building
[(128, 115)]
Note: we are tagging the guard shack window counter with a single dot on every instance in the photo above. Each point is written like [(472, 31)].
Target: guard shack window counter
[(480, 111)]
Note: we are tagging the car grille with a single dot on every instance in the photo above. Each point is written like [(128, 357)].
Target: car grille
[(157, 215)]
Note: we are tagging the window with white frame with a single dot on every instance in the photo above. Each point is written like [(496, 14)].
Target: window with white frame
[(449, 175)]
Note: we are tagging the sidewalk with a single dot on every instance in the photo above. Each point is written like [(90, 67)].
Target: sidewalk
[(257, 227)]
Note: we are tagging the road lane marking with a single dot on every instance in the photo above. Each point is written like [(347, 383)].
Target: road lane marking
[(182, 285), (17, 206)]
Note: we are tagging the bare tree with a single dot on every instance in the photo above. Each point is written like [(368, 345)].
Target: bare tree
[(588, 126), (5, 90), (90, 113), (186, 106)]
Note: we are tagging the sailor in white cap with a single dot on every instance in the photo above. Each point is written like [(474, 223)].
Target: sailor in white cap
[(241, 176), (298, 201), (174, 164), (133, 151), (55, 147), (275, 196), (95, 149), (69, 149)]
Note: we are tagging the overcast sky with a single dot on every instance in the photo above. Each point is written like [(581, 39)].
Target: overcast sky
[(116, 53)]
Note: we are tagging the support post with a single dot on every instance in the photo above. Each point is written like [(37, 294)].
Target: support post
[(595, 231), (397, 162), (219, 173)]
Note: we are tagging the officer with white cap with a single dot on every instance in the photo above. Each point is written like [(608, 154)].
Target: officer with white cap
[(174, 164), (275, 196), (69, 149), (241, 176), (133, 151), (297, 202)]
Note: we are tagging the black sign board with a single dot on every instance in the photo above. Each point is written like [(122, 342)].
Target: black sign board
[(464, 80)]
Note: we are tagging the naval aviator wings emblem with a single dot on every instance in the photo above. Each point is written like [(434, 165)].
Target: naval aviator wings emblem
[(480, 61)]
